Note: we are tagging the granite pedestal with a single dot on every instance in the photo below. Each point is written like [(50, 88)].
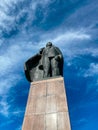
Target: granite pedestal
[(47, 106)]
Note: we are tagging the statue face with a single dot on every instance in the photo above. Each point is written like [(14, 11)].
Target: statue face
[(49, 44)]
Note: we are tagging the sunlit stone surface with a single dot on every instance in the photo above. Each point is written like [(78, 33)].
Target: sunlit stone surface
[(47, 106)]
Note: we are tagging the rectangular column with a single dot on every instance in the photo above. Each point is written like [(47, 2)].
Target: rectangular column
[(47, 106)]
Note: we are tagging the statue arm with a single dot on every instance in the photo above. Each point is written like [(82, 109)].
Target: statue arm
[(59, 56)]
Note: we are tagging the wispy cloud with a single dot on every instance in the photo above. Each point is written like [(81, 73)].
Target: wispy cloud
[(72, 35), (5, 86), (10, 68), (7, 111), (92, 86), (4, 106), (65, 38), (92, 71), (18, 15)]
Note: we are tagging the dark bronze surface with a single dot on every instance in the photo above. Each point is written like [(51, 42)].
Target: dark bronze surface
[(47, 63)]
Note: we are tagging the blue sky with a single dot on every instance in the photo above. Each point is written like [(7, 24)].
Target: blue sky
[(25, 27)]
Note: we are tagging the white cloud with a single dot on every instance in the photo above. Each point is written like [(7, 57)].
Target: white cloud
[(4, 106), (13, 57), (91, 50), (7, 82), (11, 61), (92, 85), (7, 111), (72, 35), (7, 21), (92, 71), (42, 2), (64, 38)]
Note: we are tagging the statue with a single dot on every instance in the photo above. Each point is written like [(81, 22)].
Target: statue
[(47, 63)]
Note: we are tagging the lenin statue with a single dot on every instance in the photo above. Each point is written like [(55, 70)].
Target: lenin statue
[(47, 63)]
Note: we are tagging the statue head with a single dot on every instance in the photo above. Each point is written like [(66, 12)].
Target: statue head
[(49, 44)]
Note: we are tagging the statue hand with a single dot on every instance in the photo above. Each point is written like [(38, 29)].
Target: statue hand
[(57, 57)]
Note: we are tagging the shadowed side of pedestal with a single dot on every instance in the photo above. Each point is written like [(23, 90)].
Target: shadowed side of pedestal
[(47, 106)]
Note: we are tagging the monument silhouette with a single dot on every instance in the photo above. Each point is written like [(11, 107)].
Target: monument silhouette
[(47, 103)]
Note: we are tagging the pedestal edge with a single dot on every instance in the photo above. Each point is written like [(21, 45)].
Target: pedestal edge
[(48, 79)]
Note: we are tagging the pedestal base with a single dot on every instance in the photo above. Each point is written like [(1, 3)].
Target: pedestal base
[(47, 106)]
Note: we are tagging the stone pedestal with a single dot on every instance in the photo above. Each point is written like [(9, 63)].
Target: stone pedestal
[(47, 106)]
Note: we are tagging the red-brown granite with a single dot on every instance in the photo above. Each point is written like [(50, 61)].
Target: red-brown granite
[(47, 106)]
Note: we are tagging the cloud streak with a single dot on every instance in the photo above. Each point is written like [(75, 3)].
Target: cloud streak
[(93, 70)]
